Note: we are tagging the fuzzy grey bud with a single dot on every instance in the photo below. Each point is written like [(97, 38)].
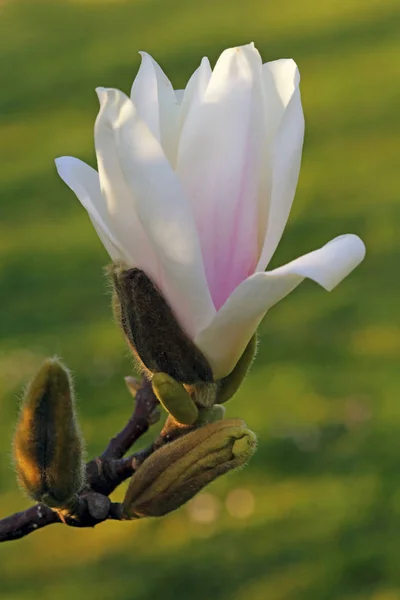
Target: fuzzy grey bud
[(152, 331)]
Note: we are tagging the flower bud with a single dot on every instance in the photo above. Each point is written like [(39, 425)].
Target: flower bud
[(133, 385), (229, 385), (152, 331), (48, 447), (179, 470)]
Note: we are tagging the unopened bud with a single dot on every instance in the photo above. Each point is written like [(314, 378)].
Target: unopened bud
[(229, 385), (179, 470), (133, 385), (152, 331), (48, 447)]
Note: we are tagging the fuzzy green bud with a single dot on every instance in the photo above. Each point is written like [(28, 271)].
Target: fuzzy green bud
[(150, 326), (179, 470), (174, 398), (48, 447), (229, 385)]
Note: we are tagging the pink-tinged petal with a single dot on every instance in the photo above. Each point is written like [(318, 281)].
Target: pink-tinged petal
[(83, 180), (280, 80), (156, 102), (285, 168), (225, 339), (161, 207), (219, 162)]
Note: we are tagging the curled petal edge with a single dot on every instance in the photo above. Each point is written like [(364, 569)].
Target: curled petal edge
[(225, 338)]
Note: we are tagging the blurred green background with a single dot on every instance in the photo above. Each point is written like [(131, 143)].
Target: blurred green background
[(316, 515)]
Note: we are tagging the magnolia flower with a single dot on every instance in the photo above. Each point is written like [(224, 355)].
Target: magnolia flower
[(195, 187)]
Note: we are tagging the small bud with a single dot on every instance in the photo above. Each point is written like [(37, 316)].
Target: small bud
[(48, 447), (174, 398), (132, 384), (152, 331), (229, 385), (179, 470)]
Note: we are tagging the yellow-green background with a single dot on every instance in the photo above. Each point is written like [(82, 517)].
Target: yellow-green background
[(324, 393)]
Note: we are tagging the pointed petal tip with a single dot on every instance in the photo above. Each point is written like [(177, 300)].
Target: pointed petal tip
[(106, 94), (101, 94), (64, 162), (144, 55), (248, 47), (58, 162), (241, 49)]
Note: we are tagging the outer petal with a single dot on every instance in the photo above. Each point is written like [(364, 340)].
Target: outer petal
[(219, 160), (280, 79), (225, 339), (286, 159), (84, 182), (156, 102), (161, 207), (126, 226)]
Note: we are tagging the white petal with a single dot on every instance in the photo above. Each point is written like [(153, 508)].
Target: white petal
[(156, 102), (179, 96), (219, 159), (195, 89), (83, 180), (224, 340), (162, 208), (122, 217), (280, 80), (286, 159)]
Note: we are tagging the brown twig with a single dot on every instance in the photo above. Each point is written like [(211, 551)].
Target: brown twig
[(103, 475), (143, 416), (22, 523)]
